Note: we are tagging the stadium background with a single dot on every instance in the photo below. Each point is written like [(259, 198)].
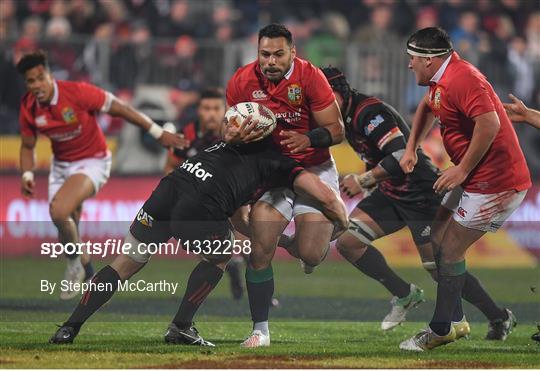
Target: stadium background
[(157, 54)]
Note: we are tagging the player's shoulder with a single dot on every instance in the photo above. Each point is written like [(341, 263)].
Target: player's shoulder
[(28, 101), (305, 67), (245, 72)]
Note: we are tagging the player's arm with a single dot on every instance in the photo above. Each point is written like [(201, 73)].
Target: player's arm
[(334, 209), (127, 112), (422, 123), (518, 112), (27, 163), (330, 131), (485, 130)]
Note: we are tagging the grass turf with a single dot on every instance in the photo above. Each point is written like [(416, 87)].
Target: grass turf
[(339, 310)]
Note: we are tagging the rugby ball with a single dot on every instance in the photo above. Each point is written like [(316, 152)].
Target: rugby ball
[(239, 112)]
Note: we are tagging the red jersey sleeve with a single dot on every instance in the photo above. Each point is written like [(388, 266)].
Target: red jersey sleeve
[(472, 96), (318, 90), (232, 91), (25, 120), (92, 98)]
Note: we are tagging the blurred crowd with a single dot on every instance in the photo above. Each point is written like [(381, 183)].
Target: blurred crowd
[(123, 44)]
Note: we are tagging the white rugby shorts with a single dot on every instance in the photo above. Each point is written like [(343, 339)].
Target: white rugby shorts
[(484, 212), (290, 205), (97, 169)]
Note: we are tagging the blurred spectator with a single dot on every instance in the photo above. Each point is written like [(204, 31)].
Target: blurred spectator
[(379, 30), (522, 68), (465, 37), (327, 46), (8, 23), (493, 61), (427, 17), (82, 16), (178, 22), (533, 36), (95, 54), (32, 28)]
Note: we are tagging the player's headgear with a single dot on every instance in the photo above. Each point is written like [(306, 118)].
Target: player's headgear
[(429, 42), (337, 81)]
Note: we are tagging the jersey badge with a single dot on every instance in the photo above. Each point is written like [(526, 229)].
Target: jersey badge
[(294, 94), (41, 121), (258, 95), (69, 115), (373, 124), (437, 99)]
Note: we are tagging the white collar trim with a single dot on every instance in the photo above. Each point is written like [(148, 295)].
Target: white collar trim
[(54, 99), (290, 71), (441, 70)]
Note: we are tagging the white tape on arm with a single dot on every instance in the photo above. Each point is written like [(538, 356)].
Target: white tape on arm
[(155, 131), (28, 176)]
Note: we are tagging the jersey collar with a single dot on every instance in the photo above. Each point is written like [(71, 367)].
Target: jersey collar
[(54, 100), (290, 71), (435, 79)]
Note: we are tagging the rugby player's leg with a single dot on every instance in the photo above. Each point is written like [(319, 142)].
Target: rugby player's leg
[(266, 224), (62, 208), (355, 246), (312, 236), (473, 291), (85, 257), (100, 290)]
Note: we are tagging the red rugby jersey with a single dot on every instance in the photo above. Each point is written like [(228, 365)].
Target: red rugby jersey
[(461, 93), (303, 90), (69, 121)]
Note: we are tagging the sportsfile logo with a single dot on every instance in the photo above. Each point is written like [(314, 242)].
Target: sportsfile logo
[(144, 218), (196, 170)]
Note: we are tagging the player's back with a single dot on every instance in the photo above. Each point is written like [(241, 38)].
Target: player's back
[(224, 177)]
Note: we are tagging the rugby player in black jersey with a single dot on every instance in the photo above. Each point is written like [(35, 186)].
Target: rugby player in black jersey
[(378, 133), (193, 203)]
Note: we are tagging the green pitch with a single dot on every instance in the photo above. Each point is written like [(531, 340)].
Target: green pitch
[(329, 319)]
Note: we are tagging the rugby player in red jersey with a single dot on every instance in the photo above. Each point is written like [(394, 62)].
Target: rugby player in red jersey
[(65, 112), (309, 121), (488, 182)]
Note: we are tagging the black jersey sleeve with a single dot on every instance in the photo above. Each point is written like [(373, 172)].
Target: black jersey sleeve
[(379, 125)]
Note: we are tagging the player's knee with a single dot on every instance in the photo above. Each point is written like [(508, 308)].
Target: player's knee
[(431, 268), (58, 212), (348, 246)]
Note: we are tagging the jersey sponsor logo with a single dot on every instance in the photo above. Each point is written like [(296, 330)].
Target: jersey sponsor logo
[(258, 95), (461, 212), (373, 124), (69, 115), (41, 121), (426, 232), (144, 218), (196, 170), (294, 94)]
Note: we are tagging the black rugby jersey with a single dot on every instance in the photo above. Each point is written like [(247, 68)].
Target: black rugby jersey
[(368, 125), (224, 177)]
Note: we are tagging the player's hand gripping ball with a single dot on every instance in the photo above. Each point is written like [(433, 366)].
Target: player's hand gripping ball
[(266, 120)]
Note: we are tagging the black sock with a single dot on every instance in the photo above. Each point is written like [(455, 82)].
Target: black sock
[(88, 271), (260, 288), (449, 287), (201, 282), (373, 264), (94, 299), (458, 312), (474, 293)]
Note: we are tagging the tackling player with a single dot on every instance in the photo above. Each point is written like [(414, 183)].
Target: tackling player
[(378, 133), (308, 123), (201, 133), (194, 203), (488, 182), (65, 112)]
